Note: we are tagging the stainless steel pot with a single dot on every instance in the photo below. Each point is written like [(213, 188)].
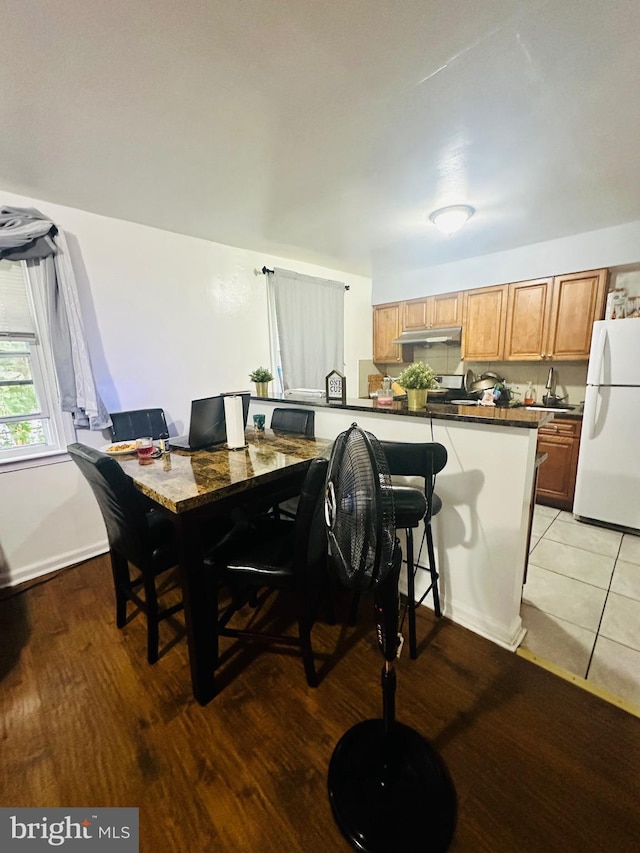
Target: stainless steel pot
[(476, 387), (482, 385)]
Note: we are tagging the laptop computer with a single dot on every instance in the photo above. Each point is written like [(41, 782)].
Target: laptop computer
[(207, 426)]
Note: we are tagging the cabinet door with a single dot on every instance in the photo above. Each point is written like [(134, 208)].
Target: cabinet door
[(386, 327), (528, 308), (560, 440), (578, 301), (414, 315), (485, 312), (445, 310)]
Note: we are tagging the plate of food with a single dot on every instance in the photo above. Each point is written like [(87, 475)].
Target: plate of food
[(119, 448)]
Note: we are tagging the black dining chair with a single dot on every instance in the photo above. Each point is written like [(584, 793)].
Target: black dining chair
[(425, 460), (137, 537), (300, 421), (277, 554), (290, 420), (138, 423)]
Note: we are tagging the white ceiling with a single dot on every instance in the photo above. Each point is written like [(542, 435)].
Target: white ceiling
[(325, 131)]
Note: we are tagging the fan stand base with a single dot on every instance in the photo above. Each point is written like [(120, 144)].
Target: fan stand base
[(391, 791)]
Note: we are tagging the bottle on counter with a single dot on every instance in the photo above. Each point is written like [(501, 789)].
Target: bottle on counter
[(530, 395), (164, 442)]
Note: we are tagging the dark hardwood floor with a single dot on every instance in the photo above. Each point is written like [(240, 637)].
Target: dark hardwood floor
[(539, 765)]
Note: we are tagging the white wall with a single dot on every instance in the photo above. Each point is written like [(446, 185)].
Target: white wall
[(169, 318), (609, 247)]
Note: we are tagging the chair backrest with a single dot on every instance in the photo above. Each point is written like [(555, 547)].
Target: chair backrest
[(310, 535), (416, 459), (121, 505), (138, 423), (301, 421)]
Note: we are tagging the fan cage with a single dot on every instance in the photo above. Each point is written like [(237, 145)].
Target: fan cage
[(360, 510)]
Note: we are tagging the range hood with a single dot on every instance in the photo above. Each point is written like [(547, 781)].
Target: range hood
[(427, 337)]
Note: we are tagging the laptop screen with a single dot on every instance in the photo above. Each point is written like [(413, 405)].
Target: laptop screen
[(208, 426)]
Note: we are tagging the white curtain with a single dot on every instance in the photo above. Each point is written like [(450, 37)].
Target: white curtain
[(310, 328), (54, 278), (27, 235)]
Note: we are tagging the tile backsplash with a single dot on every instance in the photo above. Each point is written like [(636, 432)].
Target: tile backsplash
[(571, 376)]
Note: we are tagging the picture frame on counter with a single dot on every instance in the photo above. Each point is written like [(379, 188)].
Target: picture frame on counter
[(336, 387)]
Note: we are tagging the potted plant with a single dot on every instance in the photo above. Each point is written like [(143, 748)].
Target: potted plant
[(417, 379), (261, 376)]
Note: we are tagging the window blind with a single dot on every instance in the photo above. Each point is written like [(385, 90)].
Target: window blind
[(16, 316)]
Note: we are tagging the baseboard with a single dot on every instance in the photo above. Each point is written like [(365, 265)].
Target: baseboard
[(54, 564)]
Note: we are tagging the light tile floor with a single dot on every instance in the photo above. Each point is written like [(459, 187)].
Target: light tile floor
[(581, 602)]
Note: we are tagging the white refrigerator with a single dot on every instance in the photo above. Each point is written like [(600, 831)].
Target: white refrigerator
[(608, 479)]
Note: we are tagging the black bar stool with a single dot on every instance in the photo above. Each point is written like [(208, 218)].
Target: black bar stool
[(409, 459)]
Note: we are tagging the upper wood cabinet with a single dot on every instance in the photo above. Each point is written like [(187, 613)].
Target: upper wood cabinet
[(432, 312), (386, 328), (485, 311), (414, 315), (552, 318), (578, 301), (528, 307), (546, 318)]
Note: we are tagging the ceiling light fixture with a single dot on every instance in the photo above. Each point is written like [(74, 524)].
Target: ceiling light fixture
[(448, 220)]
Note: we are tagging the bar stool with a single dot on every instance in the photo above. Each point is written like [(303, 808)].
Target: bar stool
[(409, 459)]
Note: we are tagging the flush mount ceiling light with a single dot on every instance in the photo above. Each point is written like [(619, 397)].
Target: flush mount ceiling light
[(448, 220)]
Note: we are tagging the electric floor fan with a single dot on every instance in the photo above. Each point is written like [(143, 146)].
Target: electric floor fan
[(389, 789)]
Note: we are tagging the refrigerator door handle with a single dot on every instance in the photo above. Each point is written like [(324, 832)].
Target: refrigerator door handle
[(591, 406), (597, 371)]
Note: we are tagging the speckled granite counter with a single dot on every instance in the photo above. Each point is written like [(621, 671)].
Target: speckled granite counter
[(518, 417), (184, 480)]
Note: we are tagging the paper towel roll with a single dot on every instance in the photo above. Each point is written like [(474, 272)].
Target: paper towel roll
[(234, 417)]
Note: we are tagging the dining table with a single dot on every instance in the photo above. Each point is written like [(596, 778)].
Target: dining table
[(192, 487)]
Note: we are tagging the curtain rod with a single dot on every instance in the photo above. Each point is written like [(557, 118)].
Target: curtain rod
[(265, 270)]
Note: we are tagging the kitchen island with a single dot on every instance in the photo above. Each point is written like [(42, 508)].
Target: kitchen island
[(487, 489)]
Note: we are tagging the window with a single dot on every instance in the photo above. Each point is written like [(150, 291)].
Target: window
[(307, 329), (32, 425)]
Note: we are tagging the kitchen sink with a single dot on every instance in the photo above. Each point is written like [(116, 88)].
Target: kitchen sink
[(548, 409)]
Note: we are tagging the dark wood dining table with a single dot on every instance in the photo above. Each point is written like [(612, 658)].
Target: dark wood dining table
[(193, 486)]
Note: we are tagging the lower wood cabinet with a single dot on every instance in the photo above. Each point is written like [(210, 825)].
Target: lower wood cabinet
[(560, 440)]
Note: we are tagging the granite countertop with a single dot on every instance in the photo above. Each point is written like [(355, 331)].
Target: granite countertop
[(184, 480), (498, 415)]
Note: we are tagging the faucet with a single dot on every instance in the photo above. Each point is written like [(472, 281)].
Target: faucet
[(551, 381)]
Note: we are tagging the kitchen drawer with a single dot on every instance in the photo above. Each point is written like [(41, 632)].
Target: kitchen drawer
[(560, 427)]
